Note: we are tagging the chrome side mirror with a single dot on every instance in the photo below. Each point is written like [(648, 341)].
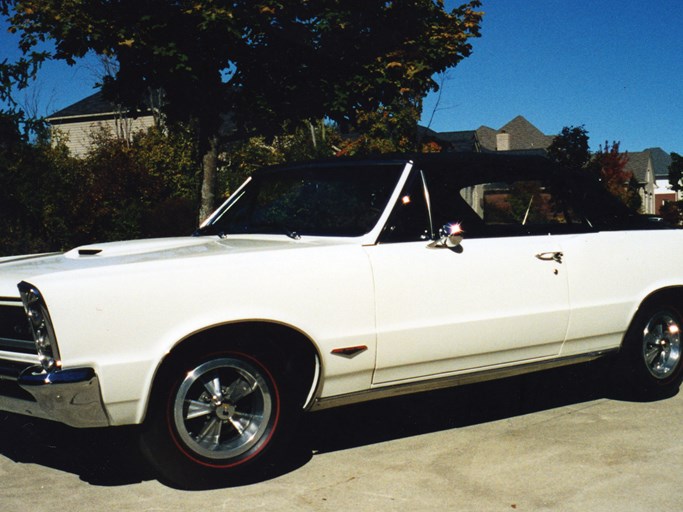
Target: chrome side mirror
[(450, 237)]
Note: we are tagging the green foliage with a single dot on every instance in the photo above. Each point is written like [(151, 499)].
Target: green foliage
[(571, 151), (676, 172), (52, 201), (344, 59), (267, 61), (302, 142), (611, 166), (17, 75), (570, 148), (170, 157), (672, 212), (389, 129), (39, 192), (145, 188)]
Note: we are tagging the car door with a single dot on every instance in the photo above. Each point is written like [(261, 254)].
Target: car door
[(500, 297), (610, 273)]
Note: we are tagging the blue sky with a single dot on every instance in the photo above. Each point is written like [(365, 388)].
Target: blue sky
[(613, 66)]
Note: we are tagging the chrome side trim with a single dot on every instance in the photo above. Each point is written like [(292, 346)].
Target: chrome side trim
[(68, 396), (316, 385), (452, 380)]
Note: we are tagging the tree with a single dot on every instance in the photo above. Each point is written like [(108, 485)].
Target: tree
[(570, 148), (40, 189), (671, 212), (317, 140), (139, 189), (571, 151), (389, 129), (611, 166), (51, 201), (266, 62), (676, 172)]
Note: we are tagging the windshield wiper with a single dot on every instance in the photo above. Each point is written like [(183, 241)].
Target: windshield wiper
[(281, 229), (259, 228), (204, 231), (291, 234), (274, 227)]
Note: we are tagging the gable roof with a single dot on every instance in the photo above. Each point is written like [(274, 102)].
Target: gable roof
[(661, 160), (655, 158), (94, 106), (487, 137), (459, 141), (638, 164), (523, 135)]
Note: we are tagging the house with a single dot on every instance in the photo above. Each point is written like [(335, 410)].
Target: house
[(661, 160), (640, 165), (651, 168), (77, 123), (518, 135)]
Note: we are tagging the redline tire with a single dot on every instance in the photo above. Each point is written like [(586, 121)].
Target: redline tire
[(214, 418)]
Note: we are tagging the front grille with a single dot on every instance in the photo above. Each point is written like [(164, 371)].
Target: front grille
[(15, 333)]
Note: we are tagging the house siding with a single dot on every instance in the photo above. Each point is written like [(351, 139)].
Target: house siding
[(78, 135)]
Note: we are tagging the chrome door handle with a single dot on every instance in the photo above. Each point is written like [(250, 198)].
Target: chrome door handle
[(550, 256)]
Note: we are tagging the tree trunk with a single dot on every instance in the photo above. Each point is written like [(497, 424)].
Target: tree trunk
[(209, 165)]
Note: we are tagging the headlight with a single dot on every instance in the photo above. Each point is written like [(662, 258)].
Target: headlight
[(41, 326)]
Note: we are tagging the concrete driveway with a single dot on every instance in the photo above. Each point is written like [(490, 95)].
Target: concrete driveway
[(550, 441)]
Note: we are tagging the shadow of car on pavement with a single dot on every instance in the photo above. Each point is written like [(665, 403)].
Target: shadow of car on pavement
[(110, 456)]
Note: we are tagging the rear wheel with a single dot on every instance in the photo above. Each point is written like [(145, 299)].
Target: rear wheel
[(215, 418), (650, 363)]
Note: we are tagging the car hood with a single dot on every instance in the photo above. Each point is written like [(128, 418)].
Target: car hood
[(14, 269)]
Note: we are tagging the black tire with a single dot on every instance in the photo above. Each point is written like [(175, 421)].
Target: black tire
[(650, 363), (215, 420)]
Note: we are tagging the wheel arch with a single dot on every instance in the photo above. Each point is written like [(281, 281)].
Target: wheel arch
[(672, 294), (645, 367), (292, 351)]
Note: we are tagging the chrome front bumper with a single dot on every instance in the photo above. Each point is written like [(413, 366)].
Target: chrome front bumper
[(68, 396)]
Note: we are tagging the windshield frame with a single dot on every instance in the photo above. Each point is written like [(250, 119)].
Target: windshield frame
[(403, 165)]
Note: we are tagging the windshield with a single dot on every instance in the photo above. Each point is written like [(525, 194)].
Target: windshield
[(318, 201)]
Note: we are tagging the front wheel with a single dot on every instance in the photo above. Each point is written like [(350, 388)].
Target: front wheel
[(214, 418), (650, 363)]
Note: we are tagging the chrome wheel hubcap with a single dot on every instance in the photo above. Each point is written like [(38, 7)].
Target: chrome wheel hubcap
[(662, 345), (223, 408)]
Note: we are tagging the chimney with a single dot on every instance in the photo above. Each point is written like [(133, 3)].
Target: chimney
[(503, 141)]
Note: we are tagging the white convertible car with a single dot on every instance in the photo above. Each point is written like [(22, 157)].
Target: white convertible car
[(328, 283)]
